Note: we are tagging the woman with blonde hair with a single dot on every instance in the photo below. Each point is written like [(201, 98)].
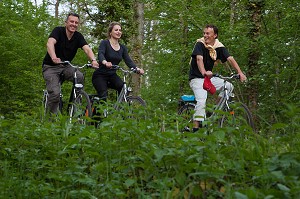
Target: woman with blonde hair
[(110, 53)]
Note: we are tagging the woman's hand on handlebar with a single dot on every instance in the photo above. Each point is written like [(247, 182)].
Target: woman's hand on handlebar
[(108, 64), (140, 71)]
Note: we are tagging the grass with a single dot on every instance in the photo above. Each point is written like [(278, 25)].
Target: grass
[(146, 158)]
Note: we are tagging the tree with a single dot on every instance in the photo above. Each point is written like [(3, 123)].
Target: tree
[(22, 50), (255, 8), (137, 42)]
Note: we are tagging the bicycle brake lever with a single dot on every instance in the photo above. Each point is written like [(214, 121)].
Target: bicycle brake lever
[(236, 76), (135, 70), (64, 62), (115, 67), (89, 65)]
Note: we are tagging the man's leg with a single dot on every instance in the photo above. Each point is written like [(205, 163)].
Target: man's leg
[(200, 96), (219, 84), (51, 77), (69, 74)]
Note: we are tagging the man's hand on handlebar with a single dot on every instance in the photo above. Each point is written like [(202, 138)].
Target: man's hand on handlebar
[(243, 77), (95, 64), (56, 60), (208, 73)]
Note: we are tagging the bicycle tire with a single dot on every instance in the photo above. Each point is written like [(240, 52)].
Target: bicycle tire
[(44, 104), (186, 121), (135, 100), (133, 106), (61, 104), (80, 109), (239, 115)]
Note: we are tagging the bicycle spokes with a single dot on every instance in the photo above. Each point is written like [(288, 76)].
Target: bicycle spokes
[(237, 116), (80, 108)]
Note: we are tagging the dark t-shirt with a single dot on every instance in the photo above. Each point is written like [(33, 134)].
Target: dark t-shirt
[(106, 52), (199, 49), (65, 49)]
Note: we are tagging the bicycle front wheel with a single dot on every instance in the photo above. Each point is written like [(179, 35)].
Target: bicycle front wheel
[(237, 116), (134, 107), (186, 117), (80, 109)]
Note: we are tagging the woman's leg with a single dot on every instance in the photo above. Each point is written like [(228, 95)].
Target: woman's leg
[(100, 83), (116, 82)]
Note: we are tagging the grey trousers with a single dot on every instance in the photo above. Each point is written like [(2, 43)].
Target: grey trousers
[(51, 76)]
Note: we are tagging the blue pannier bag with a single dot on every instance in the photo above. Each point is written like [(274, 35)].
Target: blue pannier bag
[(188, 98)]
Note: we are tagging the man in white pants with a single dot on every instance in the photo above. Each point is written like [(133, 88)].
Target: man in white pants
[(206, 52)]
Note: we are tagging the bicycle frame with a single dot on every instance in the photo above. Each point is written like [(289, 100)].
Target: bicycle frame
[(125, 90), (123, 96), (76, 88), (223, 103)]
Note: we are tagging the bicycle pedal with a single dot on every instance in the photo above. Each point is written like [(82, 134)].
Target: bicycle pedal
[(186, 129), (105, 113)]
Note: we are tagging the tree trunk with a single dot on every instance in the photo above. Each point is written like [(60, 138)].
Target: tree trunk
[(255, 13), (233, 13), (138, 43), (185, 46), (56, 8)]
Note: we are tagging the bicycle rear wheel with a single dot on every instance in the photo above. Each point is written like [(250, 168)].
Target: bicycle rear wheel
[(80, 109), (186, 121), (237, 116), (44, 105)]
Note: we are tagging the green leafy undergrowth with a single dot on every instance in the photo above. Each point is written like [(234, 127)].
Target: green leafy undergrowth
[(144, 157)]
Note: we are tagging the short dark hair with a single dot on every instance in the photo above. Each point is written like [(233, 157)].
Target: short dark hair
[(216, 31), (72, 14)]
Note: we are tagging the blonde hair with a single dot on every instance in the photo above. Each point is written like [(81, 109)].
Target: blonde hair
[(111, 26)]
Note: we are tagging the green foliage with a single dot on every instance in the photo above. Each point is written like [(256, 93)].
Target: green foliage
[(147, 158), (103, 12), (172, 28), (22, 50), (150, 158)]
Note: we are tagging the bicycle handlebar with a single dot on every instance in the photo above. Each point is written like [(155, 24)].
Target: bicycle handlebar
[(74, 66), (232, 76), (117, 67)]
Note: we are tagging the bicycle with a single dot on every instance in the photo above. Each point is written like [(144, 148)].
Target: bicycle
[(79, 105), (133, 102), (227, 112)]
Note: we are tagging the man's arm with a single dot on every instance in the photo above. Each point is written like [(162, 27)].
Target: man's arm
[(235, 65), (51, 50), (88, 51), (201, 68)]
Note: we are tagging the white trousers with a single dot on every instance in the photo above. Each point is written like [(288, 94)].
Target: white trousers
[(196, 85)]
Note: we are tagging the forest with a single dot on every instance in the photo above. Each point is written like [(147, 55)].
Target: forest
[(149, 157)]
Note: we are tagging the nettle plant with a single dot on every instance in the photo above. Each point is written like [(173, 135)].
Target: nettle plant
[(145, 157)]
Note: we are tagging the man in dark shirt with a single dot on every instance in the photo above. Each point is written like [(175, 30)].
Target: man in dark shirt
[(62, 45), (207, 51)]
